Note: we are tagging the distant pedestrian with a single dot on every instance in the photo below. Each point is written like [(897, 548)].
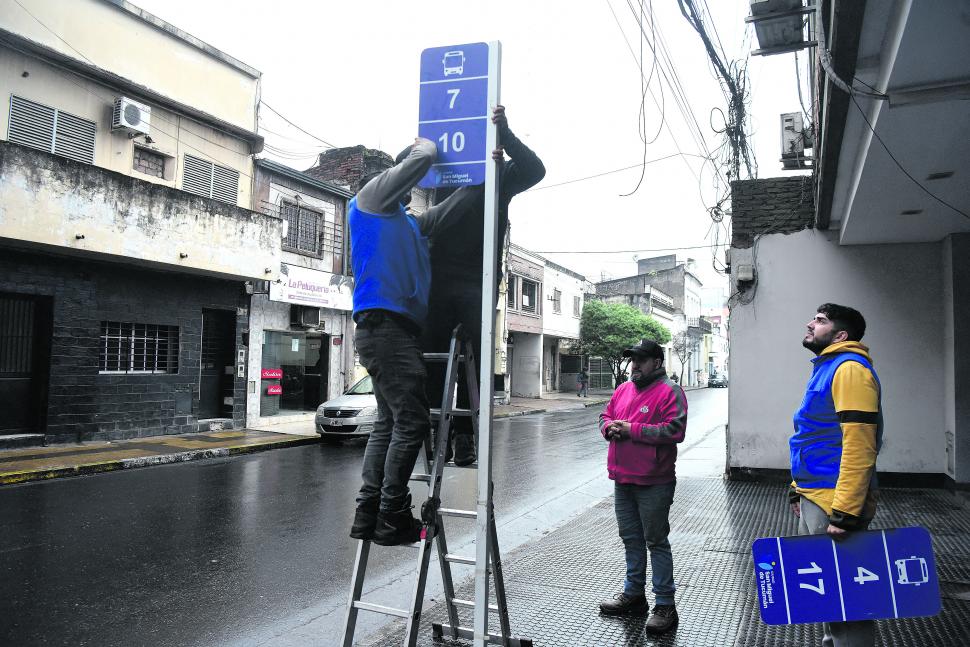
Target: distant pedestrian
[(643, 422), (838, 432), (582, 383)]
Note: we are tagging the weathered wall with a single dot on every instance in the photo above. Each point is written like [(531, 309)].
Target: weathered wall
[(781, 205), (86, 405), (346, 166), (898, 288), (52, 201)]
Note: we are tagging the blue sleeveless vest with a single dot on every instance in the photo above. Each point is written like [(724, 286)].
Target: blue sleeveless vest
[(392, 266), (816, 446)]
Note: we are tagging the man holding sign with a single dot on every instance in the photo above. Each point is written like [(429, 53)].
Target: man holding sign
[(838, 432), (456, 263)]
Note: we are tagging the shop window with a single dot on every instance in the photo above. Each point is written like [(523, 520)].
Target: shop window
[(138, 348), (530, 296), (303, 361)]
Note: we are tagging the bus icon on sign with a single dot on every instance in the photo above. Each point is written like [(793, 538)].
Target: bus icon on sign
[(454, 62), (912, 571)]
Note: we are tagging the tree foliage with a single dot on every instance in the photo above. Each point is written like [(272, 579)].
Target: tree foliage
[(606, 329)]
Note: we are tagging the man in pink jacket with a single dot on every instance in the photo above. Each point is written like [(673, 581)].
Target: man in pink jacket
[(643, 422)]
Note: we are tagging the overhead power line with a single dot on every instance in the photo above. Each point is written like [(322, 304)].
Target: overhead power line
[(302, 130), (623, 251)]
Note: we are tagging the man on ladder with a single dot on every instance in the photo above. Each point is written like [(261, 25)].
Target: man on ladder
[(389, 251)]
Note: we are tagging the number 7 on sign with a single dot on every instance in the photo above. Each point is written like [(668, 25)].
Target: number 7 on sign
[(454, 95), (820, 589)]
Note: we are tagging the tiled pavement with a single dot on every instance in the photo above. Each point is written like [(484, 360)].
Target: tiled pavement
[(555, 584)]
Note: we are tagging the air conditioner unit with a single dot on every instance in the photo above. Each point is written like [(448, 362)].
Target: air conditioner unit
[(131, 116), (304, 316)]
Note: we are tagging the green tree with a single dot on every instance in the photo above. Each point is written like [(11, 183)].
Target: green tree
[(606, 329)]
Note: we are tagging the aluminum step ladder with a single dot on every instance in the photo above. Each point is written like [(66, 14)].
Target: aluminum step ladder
[(433, 532)]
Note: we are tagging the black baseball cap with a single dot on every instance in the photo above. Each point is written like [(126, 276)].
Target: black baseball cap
[(646, 348)]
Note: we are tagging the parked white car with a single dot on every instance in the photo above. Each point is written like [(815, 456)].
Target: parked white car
[(351, 415)]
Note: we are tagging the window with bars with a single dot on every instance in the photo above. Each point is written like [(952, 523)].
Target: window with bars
[(308, 231), (530, 296), (556, 301), (511, 294), (138, 348), (49, 129), (577, 306), (210, 180)]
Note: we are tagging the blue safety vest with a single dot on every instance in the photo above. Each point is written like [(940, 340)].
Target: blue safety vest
[(816, 446), (392, 266)]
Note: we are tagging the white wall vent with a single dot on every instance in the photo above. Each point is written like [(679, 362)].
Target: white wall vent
[(131, 116), (51, 130), (210, 180)]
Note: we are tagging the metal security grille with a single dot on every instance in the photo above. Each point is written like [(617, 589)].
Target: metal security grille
[(51, 130), (577, 306), (210, 180), (16, 336), (556, 301), (138, 348), (309, 231)]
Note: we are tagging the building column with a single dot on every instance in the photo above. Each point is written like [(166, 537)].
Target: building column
[(956, 356)]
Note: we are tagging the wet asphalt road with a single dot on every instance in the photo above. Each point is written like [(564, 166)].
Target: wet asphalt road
[(253, 550)]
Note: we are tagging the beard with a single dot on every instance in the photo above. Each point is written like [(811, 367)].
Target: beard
[(816, 344)]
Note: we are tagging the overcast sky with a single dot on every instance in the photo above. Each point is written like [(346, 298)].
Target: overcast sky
[(348, 73)]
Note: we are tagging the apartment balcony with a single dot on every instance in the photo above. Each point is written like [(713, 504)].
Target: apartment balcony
[(702, 325), (56, 204)]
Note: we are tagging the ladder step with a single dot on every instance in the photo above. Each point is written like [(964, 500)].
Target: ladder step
[(440, 357), (439, 631), (456, 413), (424, 478), (380, 608), (452, 512), (458, 559), (468, 604)]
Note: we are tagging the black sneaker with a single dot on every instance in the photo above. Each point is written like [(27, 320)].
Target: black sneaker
[(397, 528), (465, 449), (365, 519), (663, 619), (625, 605)]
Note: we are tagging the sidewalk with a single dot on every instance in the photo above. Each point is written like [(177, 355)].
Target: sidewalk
[(554, 584), (74, 459)]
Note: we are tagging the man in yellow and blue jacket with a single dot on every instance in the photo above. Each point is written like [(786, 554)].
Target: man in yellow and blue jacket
[(838, 433)]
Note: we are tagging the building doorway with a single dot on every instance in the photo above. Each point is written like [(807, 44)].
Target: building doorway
[(217, 367), (26, 324)]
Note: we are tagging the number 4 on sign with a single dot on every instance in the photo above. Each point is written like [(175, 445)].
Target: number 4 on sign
[(864, 576), (820, 589)]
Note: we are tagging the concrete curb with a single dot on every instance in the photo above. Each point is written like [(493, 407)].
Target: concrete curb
[(99, 467)]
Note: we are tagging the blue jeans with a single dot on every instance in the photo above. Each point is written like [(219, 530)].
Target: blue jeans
[(642, 515), (392, 357)]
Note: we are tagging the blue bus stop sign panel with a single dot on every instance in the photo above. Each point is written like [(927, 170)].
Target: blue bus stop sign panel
[(453, 113), (871, 575)]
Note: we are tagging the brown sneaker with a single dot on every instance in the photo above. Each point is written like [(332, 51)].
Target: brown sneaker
[(625, 605), (663, 619)]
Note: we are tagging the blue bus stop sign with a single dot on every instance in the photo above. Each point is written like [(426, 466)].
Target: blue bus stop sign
[(453, 113), (870, 575)]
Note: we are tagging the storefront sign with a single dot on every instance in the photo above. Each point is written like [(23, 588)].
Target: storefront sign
[(274, 389), (271, 373), (313, 288)]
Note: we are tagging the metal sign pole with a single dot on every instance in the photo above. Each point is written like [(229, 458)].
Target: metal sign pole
[(487, 360)]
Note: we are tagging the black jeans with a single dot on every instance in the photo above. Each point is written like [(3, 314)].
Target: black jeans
[(452, 303), (390, 353)]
